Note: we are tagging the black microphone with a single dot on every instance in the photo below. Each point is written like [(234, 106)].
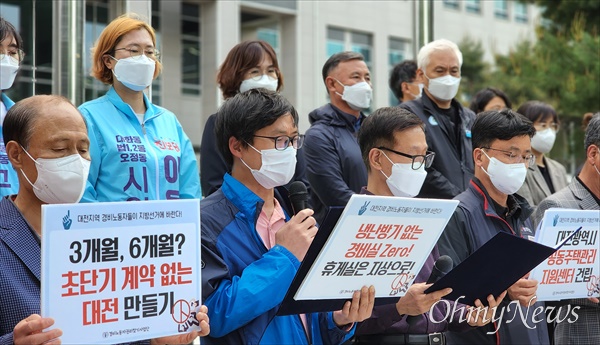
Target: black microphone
[(442, 266), (298, 196)]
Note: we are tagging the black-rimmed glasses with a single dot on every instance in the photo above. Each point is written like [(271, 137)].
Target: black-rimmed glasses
[(282, 142), (514, 157), (417, 160)]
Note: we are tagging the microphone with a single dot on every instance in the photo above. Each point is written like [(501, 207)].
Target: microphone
[(442, 266), (298, 196)]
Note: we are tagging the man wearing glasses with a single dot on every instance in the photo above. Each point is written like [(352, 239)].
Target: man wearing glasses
[(502, 154), (252, 246), (394, 149), (11, 57)]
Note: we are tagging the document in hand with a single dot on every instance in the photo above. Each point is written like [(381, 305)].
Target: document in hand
[(493, 268), (574, 270), (380, 241)]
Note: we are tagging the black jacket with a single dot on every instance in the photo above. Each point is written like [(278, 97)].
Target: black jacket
[(453, 166), (334, 164), (213, 166)]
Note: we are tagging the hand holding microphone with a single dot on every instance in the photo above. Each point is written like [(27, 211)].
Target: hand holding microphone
[(297, 234)]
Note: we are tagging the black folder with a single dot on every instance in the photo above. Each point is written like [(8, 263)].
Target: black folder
[(290, 306), (493, 268)]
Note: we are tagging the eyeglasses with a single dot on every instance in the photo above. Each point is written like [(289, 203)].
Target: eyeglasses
[(282, 142), (256, 74), (543, 126), (136, 52), (417, 160), (17, 54), (515, 157)]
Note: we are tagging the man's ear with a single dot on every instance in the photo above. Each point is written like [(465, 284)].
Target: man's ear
[(478, 157), (375, 157), (404, 87), (235, 147), (420, 76), (591, 153), (15, 154), (330, 84)]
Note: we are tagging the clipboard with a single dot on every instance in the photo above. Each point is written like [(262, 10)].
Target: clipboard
[(494, 267), (290, 306)]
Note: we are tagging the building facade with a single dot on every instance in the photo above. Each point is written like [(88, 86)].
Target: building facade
[(194, 36)]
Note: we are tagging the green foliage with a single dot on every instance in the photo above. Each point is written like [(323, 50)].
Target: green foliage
[(474, 71), (561, 14)]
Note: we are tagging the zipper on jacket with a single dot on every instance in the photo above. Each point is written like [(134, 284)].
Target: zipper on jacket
[(156, 172)]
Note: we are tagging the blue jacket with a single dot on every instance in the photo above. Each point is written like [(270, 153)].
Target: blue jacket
[(334, 164), (9, 182), (132, 161), (475, 222), (243, 283)]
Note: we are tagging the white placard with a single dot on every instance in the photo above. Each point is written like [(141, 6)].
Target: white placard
[(121, 271), (573, 271), (380, 241)]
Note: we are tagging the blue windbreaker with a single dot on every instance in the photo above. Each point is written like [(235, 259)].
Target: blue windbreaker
[(132, 161), (243, 283), (9, 182)]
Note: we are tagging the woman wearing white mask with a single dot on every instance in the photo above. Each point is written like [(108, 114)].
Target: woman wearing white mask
[(11, 57), (139, 150), (248, 65), (546, 176)]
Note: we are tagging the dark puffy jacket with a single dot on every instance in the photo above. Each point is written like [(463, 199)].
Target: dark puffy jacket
[(452, 169), (213, 165), (475, 222), (334, 164)]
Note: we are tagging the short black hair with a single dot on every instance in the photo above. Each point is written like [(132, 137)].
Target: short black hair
[(242, 115), (406, 71), (335, 59), (378, 129), (21, 117), (499, 125), (538, 111), (592, 132), (7, 29), (483, 97)]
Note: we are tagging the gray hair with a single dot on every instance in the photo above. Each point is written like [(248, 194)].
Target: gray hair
[(437, 45), (592, 133), (335, 59)]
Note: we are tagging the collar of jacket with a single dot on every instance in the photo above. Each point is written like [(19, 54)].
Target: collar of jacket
[(520, 207), (430, 106), (7, 101), (152, 111), (333, 116)]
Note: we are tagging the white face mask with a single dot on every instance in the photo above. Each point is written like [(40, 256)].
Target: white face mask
[(136, 74), (264, 82), (421, 85), (60, 180), (358, 96), (8, 72), (507, 178), (543, 141), (443, 88), (404, 180), (277, 167)]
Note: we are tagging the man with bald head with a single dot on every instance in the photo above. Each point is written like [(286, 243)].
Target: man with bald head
[(47, 143)]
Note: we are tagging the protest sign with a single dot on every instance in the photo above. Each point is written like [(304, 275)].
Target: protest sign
[(121, 271), (380, 241), (573, 271)]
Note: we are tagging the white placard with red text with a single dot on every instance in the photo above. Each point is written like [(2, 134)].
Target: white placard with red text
[(121, 271), (380, 241), (574, 270)]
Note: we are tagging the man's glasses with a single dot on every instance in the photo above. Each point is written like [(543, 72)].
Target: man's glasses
[(136, 52), (515, 157), (282, 142), (417, 160)]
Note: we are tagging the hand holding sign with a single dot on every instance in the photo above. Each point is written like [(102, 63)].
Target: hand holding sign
[(31, 331), (359, 309), (201, 317)]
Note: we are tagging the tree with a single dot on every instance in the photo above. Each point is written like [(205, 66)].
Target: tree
[(562, 13), (474, 71)]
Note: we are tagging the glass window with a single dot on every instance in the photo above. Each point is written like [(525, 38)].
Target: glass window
[(156, 83), (501, 9), (190, 45), (362, 43), (473, 6), (521, 13), (96, 19), (271, 36), (397, 53), (335, 41), (453, 4)]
